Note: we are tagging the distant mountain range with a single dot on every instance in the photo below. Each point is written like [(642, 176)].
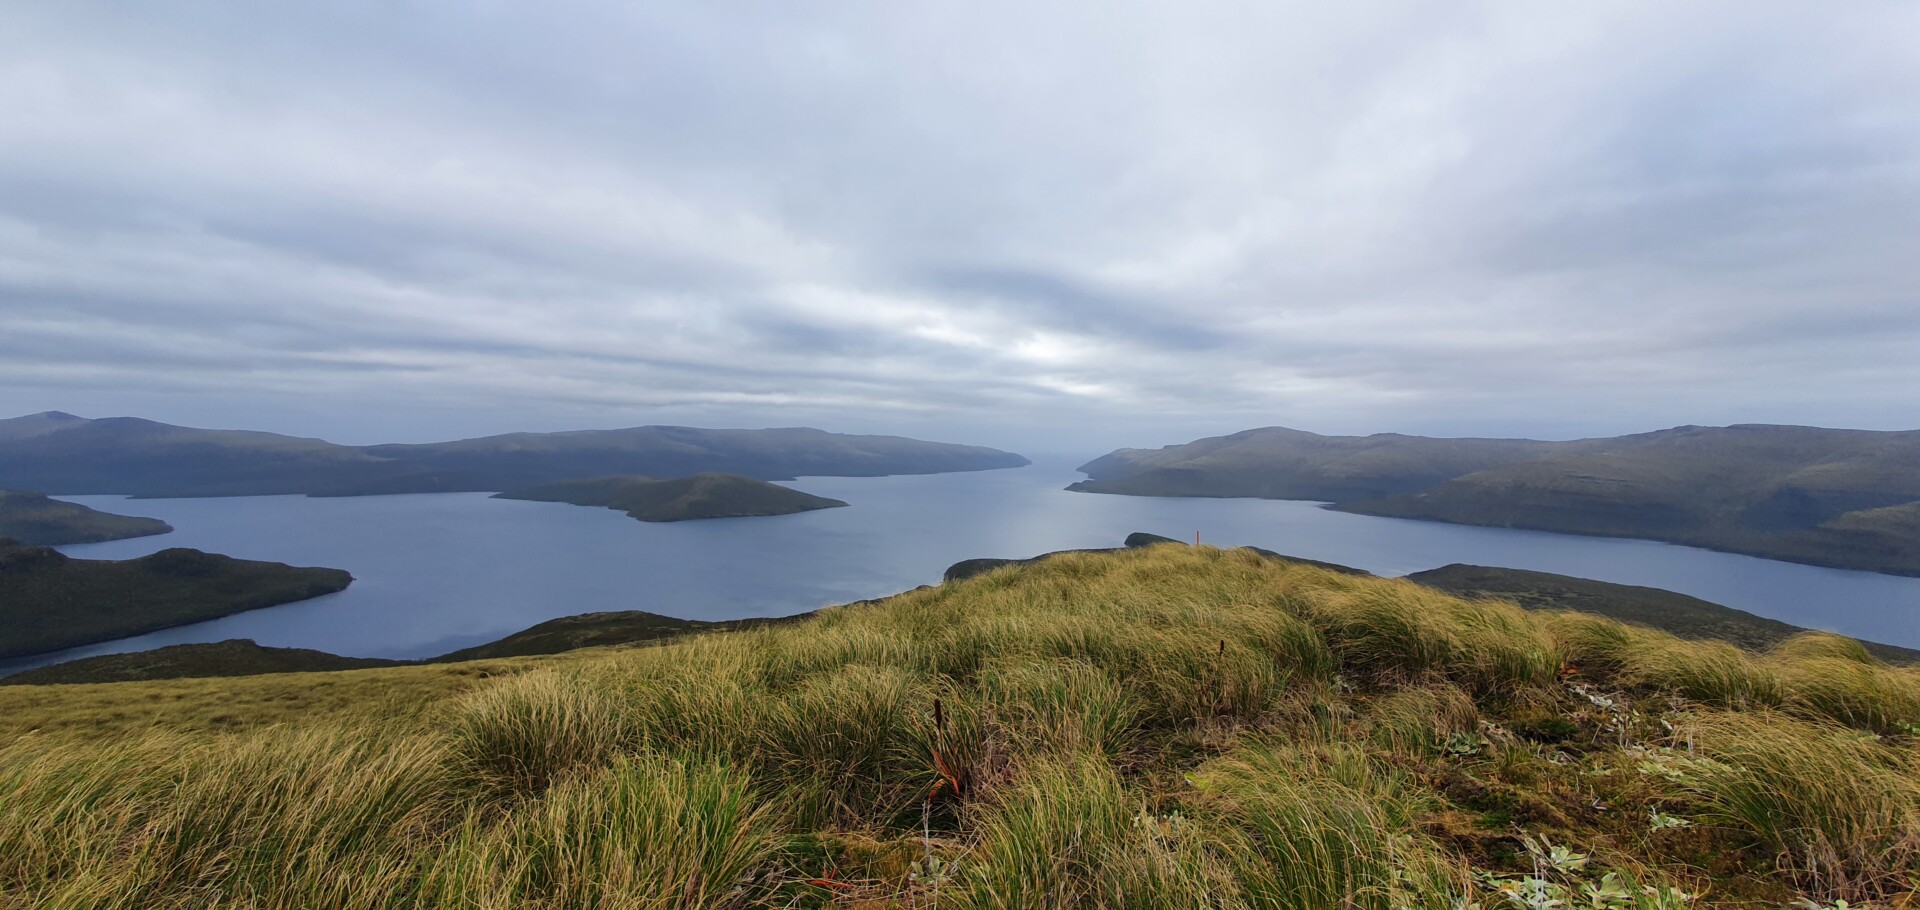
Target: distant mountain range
[(59, 453), (1843, 498)]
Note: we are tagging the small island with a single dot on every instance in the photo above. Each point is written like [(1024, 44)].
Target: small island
[(679, 498), (36, 520), (49, 601)]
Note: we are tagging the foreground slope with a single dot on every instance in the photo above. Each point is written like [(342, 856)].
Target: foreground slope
[(1843, 498), (680, 498), (1159, 727), (35, 520), (60, 453)]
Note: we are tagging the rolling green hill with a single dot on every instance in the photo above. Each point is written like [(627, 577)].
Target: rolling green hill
[(1803, 494), (1164, 727), (679, 499), (49, 601), (63, 454), (35, 520)]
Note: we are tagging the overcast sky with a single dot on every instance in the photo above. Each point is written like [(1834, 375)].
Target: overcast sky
[(1050, 227)]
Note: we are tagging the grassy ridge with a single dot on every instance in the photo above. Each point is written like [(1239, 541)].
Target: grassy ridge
[(1162, 727)]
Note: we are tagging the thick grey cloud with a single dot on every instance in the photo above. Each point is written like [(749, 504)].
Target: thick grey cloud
[(1055, 226)]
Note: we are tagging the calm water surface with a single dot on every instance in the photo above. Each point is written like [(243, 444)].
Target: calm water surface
[(437, 572)]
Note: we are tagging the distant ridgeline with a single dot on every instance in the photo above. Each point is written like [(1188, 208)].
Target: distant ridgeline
[(1843, 498), (62, 454)]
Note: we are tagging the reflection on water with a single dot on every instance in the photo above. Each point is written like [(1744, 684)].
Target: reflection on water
[(443, 571)]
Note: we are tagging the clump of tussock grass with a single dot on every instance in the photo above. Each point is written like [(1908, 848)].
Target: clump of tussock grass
[(1813, 674), (1592, 644), (838, 737), (520, 736), (1712, 672), (1870, 696), (1326, 827), (1194, 679), (646, 833), (1067, 833), (1399, 630), (1840, 812), (841, 638), (1423, 719), (1813, 645), (1061, 706)]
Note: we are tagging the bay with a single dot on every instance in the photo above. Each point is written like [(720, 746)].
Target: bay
[(438, 572)]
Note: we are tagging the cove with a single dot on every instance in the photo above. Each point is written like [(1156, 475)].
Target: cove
[(438, 572)]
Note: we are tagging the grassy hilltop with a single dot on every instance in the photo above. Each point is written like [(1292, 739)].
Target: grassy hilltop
[(1160, 727)]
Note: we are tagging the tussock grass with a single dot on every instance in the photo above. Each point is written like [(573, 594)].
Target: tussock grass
[(1866, 695), (1176, 727), (1062, 706), (1327, 827), (1401, 630), (1708, 671), (1049, 837), (1423, 719), (279, 819), (1811, 645), (1841, 811), (645, 833), (522, 735)]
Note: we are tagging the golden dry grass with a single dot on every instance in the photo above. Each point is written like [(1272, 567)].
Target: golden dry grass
[(1176, 727)]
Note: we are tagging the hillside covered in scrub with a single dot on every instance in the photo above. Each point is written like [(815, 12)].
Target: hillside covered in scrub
[(1849, 499), (38, 521), (699, 496), (50, 601), (1164, 727)]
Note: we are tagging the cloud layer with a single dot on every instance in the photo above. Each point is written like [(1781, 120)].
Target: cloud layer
[(1057, 226)]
